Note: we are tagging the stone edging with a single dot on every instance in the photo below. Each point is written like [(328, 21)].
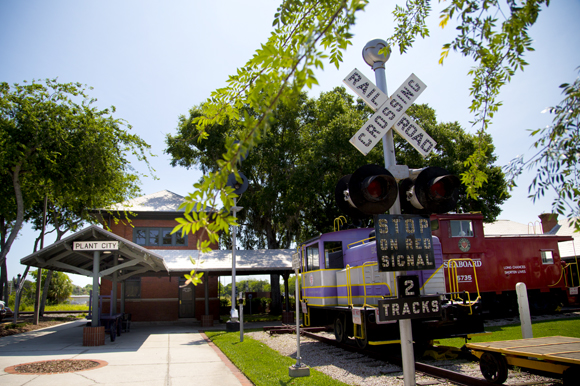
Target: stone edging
[(237, 373)]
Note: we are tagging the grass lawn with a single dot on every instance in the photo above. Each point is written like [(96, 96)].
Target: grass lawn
[(60, 307), (261, 364), (564, 327), (264, 366)]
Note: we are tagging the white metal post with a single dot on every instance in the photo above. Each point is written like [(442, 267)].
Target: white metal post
[(233, 313), (377, 62)]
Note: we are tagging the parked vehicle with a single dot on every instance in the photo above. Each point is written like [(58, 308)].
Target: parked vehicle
[(5, 311)]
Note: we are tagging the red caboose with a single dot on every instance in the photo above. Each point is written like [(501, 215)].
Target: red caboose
[(491, 266)]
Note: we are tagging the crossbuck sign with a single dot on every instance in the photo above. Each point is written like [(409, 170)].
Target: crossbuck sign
[(390, 112)]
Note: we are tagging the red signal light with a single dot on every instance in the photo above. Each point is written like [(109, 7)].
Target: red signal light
[(433, 190), (375, 189)]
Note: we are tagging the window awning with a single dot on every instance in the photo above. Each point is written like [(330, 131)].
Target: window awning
[(131, 259)]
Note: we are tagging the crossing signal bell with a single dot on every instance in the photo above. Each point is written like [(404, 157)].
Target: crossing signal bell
[(429, 190), (371, 189), (239, 187)]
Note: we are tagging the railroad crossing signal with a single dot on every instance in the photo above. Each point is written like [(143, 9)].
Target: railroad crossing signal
[(390, 112)]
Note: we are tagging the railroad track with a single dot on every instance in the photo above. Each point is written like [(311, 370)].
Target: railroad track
[(437, 372), (384, 356)]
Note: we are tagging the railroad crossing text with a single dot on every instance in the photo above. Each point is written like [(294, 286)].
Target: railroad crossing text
[(404, 243), (409, 308)]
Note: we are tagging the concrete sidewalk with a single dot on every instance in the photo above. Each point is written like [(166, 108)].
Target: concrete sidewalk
[(150, 354)]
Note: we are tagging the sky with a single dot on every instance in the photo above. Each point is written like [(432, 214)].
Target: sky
[(154, 60)]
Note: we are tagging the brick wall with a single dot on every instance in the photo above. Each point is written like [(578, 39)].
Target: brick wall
[(160, 299), (160, 295)]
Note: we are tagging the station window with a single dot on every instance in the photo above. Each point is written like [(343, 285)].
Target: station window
[(547, 257), (158, 237), (333, 254), (312, 258), (461, 228), (133, 288)]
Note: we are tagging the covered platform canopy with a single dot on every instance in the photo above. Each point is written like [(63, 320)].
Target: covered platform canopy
[(97, 253), (129, 257)]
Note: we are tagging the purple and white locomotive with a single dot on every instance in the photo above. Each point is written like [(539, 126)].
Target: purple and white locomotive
[(340, 276)]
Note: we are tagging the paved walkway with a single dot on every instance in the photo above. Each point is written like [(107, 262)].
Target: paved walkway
[(149, 355)]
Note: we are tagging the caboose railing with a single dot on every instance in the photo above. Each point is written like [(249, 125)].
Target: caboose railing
[(570, 268), (454, 289)]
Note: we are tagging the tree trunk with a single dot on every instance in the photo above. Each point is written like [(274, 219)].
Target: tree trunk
[(19, 214), (4, 283), (19, 294), (45, 292)]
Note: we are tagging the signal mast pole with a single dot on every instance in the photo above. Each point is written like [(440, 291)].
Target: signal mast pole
[(377, 62)]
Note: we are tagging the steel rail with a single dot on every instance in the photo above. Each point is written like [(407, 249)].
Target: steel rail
[(460, 379)]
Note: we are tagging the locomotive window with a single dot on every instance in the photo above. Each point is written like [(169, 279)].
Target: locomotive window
[(434, 225), (312, 258), (547, 257), (333, 254), (461, 228)]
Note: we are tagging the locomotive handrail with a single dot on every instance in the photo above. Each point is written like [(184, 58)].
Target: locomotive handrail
[(454, 282), (370, 264), (360, 241), (339, 221), (348, 288)]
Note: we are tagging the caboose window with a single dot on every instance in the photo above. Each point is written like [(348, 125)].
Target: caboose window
[(333, 254), (312, 258), (461, 228), (547, 257)]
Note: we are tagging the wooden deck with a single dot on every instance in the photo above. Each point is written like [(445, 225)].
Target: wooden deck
[(558, 349)]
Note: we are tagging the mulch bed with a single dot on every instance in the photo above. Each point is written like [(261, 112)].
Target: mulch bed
[(25, 325), (56, 366)]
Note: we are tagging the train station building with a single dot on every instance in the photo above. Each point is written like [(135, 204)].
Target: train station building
[(144, 276)]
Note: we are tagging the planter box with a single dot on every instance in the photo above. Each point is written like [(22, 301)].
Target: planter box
[(94, 336)]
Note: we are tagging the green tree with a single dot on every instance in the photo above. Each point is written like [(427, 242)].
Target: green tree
[(60, 288), (55, 143), (294, 177), (558, 157), (307, 32)]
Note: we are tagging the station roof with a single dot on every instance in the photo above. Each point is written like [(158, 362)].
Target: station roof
[(132, 258), (568, 248), (506, 227), (219, 262), (163, 201), (160, 205)]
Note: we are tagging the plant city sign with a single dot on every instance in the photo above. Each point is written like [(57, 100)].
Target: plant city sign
[(390, 112), (104, 245)]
